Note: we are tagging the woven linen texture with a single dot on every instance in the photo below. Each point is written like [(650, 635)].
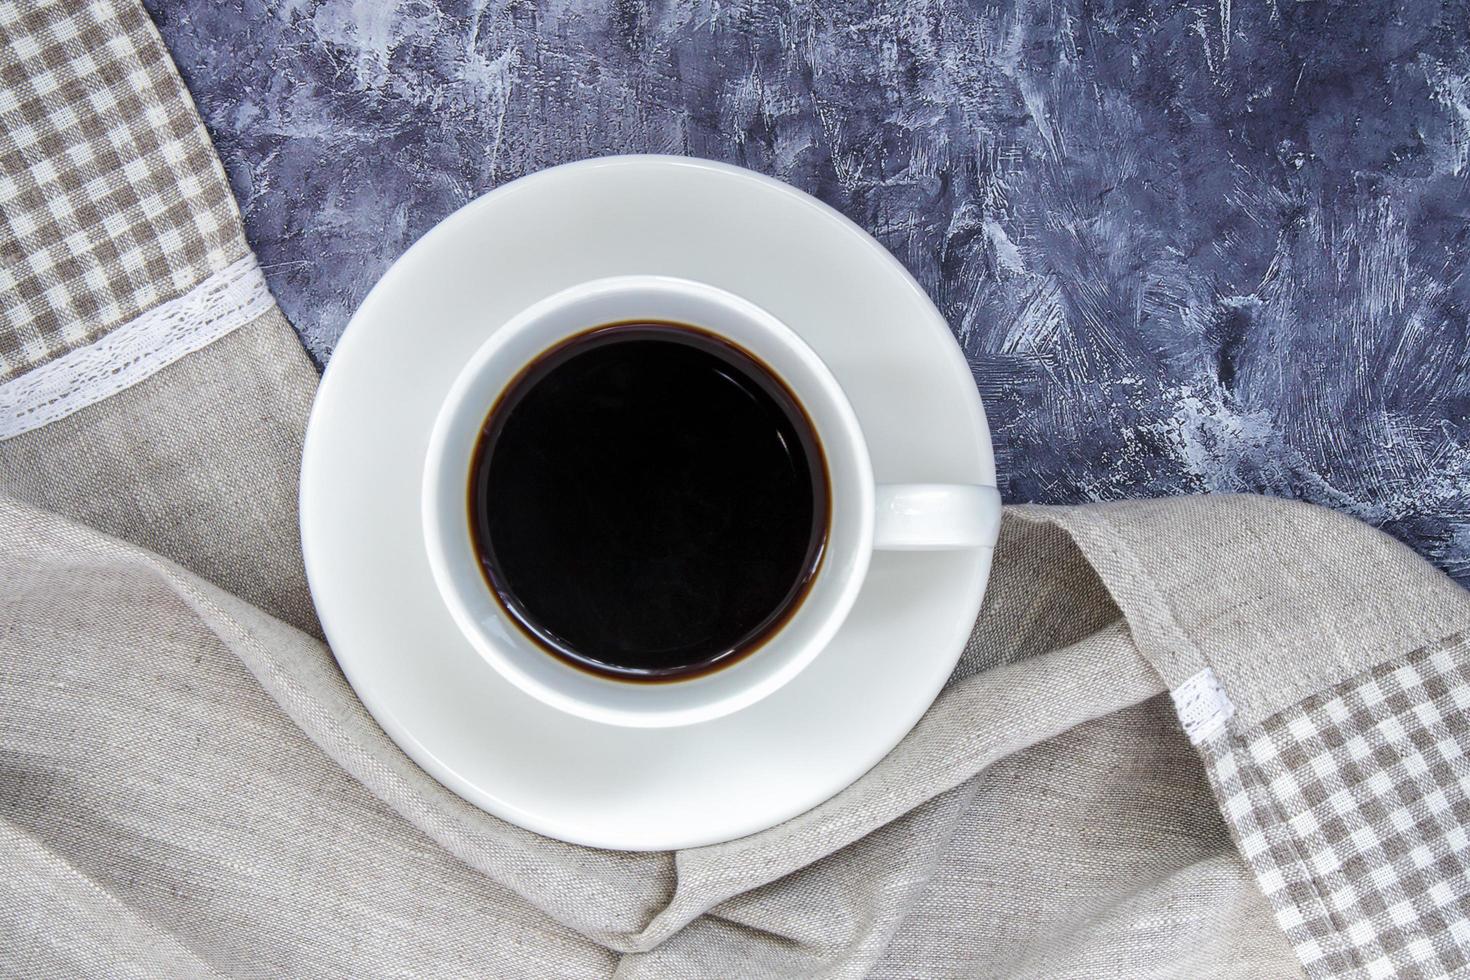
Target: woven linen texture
[(1352, 809), (111, 198)]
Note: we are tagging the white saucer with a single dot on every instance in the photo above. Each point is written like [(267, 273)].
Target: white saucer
[(580, 781)]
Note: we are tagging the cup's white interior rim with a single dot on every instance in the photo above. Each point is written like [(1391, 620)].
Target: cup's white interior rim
[(497, 637)]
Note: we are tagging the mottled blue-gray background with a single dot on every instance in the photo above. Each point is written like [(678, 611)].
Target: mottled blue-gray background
[(1189, 247)]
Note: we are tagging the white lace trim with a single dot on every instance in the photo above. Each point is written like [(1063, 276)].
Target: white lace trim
[(230, 298), (1203, 706)]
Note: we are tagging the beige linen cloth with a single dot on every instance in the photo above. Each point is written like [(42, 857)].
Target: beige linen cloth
[(1213, 737)]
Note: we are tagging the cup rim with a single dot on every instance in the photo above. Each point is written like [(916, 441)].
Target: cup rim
[(439, 470)]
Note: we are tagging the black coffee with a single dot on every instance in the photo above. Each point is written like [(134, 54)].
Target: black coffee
[(648, 501)]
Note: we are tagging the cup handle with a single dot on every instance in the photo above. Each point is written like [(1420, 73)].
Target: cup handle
[(936, 517)]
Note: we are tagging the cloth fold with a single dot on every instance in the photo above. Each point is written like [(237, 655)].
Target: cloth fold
[(207, 762), (1225, 736)]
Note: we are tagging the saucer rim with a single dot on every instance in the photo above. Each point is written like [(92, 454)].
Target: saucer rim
[(380, 708)]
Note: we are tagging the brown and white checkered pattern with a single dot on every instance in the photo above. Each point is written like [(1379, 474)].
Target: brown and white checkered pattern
[(111, 198), (1352, 808)]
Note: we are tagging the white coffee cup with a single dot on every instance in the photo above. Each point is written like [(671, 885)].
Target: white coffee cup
[(863, 516)]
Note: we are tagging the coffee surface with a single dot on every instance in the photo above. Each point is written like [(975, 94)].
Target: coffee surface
[(648, 501)]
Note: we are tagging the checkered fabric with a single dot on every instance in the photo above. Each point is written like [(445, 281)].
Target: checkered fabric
[(111, 198), (1352, 808)]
